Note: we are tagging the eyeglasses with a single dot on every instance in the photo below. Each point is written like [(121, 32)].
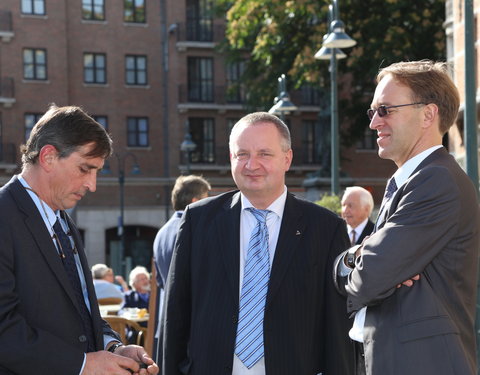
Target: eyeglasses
[(383, 110)]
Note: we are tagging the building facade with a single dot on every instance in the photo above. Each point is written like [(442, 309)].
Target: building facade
[(455, 33), (148, 70)]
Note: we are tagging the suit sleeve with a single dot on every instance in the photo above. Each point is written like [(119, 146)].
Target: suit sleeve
[(177, 306), (339, 350), (27, 347), (419, 229)]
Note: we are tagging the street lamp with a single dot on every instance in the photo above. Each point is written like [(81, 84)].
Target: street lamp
[(187, 146), (336, 38), (282, 104), (121, 159)]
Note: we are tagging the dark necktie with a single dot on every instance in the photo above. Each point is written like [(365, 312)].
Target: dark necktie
[(249, 343), (353, 240), (68, 259), (391, 189)]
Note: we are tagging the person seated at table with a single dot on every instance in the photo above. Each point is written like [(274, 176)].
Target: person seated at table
[(103, 282), (139, 296)]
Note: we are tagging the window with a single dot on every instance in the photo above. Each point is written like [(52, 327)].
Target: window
[(93, 10), (311, 148), (135, 70), (34, 64), (235, 90), (369, 140), (200, 20), (94, 68), (137, 132), (30, 121), (134, 11), (102, 120), (200, 79), (36, 7), (202, 131)]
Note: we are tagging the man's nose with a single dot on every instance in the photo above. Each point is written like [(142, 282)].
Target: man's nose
[(91, 182)]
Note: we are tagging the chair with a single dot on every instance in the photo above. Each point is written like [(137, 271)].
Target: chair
[(110, 301), (120, 325)]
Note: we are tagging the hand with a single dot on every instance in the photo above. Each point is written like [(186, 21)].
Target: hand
[(105, 363), (139, 355), (409, 282), (119, 279)]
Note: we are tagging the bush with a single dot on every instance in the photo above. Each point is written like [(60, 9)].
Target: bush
[(331, 202)]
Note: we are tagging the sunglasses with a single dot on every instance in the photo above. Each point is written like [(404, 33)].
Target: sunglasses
[(383, 110)]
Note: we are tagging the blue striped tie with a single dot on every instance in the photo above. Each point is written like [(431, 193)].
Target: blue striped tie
[(249, 344)]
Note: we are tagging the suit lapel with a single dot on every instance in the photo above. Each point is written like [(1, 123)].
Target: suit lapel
[(441, 152), (228, 234), (35, 224), (289, 240)]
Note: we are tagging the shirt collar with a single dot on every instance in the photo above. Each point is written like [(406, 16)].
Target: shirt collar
[(403, 173), (48, 215), (277, 206)]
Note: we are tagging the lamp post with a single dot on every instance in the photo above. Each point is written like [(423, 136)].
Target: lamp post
[(121, 159), (336, 38), (187, 146), (282, 104)]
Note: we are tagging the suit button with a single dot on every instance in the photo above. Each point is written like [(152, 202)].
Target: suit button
[(350, 304), (234, 319), (82, 338)]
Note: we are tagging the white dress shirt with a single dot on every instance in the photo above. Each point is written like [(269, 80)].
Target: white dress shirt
[(358, 230), (247, 224), (401, 176)]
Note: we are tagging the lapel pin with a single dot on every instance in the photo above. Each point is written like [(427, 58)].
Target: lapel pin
[(298, 233)]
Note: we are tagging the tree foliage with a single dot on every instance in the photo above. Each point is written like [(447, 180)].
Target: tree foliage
[(281, 36)]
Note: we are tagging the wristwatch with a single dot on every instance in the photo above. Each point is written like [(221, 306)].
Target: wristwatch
[(114, 347), (351, 257)]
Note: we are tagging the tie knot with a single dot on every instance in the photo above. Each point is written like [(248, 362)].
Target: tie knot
[(57, 226), (391, 188), (260, 215)]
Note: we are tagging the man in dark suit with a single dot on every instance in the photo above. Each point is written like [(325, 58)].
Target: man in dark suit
[(426, 238), (49, 316), (187, 189), (299, 324), (357, 206)]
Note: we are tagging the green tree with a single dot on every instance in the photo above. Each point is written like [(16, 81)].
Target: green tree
[(281, 36)]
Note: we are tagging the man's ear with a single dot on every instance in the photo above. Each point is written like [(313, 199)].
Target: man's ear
[(48, 154), (430, 113)]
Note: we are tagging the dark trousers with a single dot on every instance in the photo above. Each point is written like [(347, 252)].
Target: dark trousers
[(359, 359)]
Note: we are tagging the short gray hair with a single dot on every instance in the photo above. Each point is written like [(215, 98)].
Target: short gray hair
[(99, 271), (137, 271), (264, 117), (366, 199)]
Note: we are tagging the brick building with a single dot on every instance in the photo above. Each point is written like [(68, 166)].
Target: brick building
[(148, 71), (455, 32)]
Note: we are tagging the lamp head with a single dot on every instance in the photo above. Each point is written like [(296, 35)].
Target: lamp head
[(337, 38)]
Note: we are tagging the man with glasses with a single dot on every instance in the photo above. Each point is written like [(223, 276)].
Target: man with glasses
[(412, 284)]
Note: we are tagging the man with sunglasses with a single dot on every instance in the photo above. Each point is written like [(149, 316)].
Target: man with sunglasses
[(412, 284)]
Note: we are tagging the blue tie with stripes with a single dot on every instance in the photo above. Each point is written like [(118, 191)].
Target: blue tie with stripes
[(249, 343)]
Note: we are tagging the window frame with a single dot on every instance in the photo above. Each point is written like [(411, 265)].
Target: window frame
[(34, 64), (136, 133), (200, 86), (33, 5), (35, 117), (92, 11), (136, 71), (136, 16), (94, 68)]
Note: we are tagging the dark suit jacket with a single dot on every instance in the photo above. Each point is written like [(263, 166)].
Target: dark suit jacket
[(305, 323), (40, 326), (163, 247), (366, 231), (432, 229)]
